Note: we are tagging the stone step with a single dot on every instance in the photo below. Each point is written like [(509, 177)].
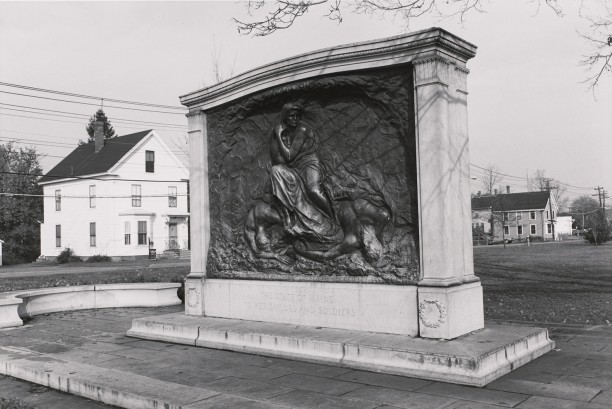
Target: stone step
[(110, 386), (473, 359)]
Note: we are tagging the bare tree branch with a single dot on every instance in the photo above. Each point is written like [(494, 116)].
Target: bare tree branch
[(335, 14), (597, 63), (217, 65), (282, 18), (491, 178)]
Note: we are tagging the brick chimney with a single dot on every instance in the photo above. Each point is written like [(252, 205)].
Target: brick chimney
[(98, 135), (507, 189)]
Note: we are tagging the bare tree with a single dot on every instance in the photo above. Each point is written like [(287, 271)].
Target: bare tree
[(283, 14), (582, 209), (492, 177), (558, 190), (219, 72), (599, 60)]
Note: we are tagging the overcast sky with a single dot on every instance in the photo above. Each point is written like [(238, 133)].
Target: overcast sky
[(528, 108)]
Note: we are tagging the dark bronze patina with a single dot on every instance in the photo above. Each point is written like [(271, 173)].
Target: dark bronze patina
[(316, 181)]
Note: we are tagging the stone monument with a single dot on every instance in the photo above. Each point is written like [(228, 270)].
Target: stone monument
[(330, 215)]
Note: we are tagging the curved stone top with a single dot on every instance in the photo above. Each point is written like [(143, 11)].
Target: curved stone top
[(418, 45)]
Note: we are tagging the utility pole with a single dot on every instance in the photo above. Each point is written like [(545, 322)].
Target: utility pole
[(552, 223), (598, 188), (603, 197)]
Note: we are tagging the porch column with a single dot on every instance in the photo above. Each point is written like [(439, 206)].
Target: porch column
[(199, 212)]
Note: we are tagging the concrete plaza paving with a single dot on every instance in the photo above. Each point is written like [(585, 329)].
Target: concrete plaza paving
[(90, 348)]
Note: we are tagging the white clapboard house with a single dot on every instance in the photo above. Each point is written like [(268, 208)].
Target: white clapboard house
[(117, 197)]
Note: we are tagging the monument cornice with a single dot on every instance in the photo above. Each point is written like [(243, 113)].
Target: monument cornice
[(425, 44)]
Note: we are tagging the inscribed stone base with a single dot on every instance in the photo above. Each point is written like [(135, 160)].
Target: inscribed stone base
[(449, 312), (350, 306), (473, 359)]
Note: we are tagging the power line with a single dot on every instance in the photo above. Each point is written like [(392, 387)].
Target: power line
[(89, 177), (118, 120), (29, 141), (6, 84), (522, 178), (80, 123), (89, 104)]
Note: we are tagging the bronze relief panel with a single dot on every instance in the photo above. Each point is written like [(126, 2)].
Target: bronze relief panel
[(316, 180)]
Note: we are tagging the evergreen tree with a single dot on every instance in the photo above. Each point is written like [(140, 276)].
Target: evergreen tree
[(109, 132)]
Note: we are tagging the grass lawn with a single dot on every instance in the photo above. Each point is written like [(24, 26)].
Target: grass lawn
[(567, 282), (42, 275)]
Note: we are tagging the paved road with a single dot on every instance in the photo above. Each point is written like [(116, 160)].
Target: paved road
[(576, 375)]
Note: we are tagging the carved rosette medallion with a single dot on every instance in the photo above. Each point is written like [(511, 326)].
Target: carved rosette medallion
[(432, 313), (193, 296)]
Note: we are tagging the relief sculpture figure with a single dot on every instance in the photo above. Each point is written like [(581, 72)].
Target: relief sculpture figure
[(296, 178), (313, 226)]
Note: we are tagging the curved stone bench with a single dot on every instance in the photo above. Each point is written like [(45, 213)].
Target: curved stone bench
[(28, 303)]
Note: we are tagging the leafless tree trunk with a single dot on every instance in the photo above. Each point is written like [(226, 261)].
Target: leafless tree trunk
[(491, 178)]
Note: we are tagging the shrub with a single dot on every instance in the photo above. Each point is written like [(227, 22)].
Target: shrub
[(535, 238), (180, 292), (98, 258), (596, 236), (9, 259), (67, 256)]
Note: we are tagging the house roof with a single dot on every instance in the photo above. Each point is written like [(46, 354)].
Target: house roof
[(512, 201), (84, 161)]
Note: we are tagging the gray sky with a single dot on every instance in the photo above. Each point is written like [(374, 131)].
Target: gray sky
[(527, 107)]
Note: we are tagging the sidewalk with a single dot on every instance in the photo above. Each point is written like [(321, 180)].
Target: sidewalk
[(90, 348)]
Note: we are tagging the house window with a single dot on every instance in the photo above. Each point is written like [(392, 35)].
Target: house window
[(171, 196), (506, 230), (128, 235), (506, 216), (58, 235), (136, 196), (92, 234), (549, 228), (532, 229), (532, 215), (519, 230), (150, 161), (58, 200), (553, 214), (92, 196), (142, 232), (519, 216), (547, 214)]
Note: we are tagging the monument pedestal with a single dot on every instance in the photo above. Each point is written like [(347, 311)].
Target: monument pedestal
[(473, 359), (387, 284), (449, 312)]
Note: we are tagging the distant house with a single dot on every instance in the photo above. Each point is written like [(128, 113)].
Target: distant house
[(518, 215), (564, 225), (116, 197)]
